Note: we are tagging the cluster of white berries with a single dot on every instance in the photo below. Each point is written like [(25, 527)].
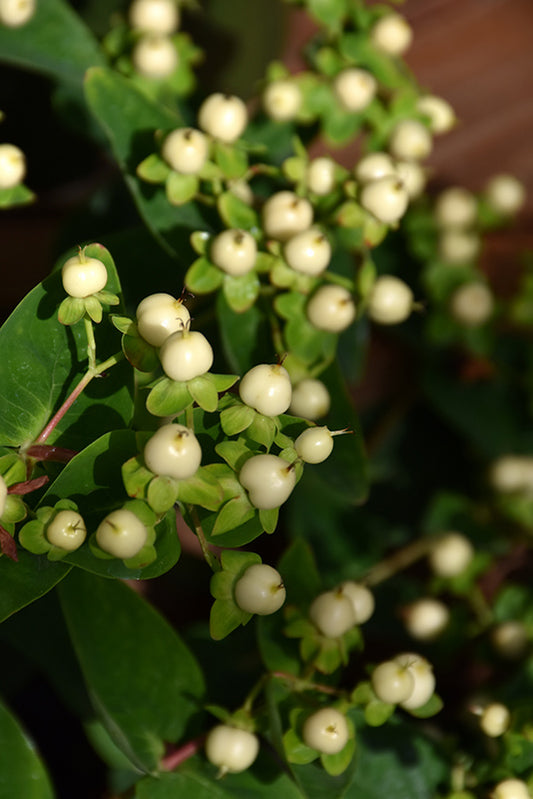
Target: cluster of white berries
[(456, 216), (154, 54), (406, 680), (335, 612)]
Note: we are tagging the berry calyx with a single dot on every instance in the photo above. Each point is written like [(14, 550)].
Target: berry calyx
[(315, 444), (83, 276), (155, 56), (185, 355), (14, 13), (362, 600), (12, 166), (320, 175), (223, 116), (231, 749), (495, 719), (392, 34), (121, 534), (472, 304), (386, 198), (66, 530), (332, 613), (410, 140), (185, 150), (173, 451), (234, 251), (308, 252), (392, 682), (268, 479), (154, 16), (159, 315), (310, 399), (282, 100), (3, 495), (354, 88), (331, 308), (426, 618), (260, 590), (326, 731), (450, 555), (266, 388), (390, 300), (421, 671), (285, 214)]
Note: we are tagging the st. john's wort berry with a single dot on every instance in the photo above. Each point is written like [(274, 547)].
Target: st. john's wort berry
[(155, 56), (83, 276), (456, 207), (495, 719), (66, 530), (15, 13), (386, 198), (457, 246), (374, 166), (320, 175), (186, 354), (450, 554), (426, 618), (362, 600), (326, 730), (285, 214), (154, 16), (510, 639), (234, 251), (472, 304), (12, 166), (266, 388), (159, 315), (231, 749), (121, 534), (421, 671), (511, 789), (223, 116), (331, 308), (390, 300), (260, 590), (410, 140), (173, 451), (392, 682), (439, 112), (185, 150), (332, 613), (268, 479), (505, 194), (413, 176), (354, 88), (391, 34), (282, 100), (308, 252), (310, 399), (314, 445)]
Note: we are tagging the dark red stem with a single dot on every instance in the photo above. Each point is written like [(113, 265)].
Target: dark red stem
[(175, 757)]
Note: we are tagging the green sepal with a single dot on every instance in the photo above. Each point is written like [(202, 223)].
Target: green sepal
[(32, 537), (325, 654), (139, 353), (201, 489), (124, 324), (362, 694), (235, 512), (264, 262), (235, 453), (219, 713), (15, 509), (294, 168), (298, 626), (236, 418), (168, 397), (93, 309), (378, 712), (232, 160), (204, 392), (200, 241), (225, 617), (433, 706), (210, 171), (223, 382), (143, 558), (295, 750), (16, 195), (153, 169), (180, 189), (234, 563), (338, 763), (162, 493), (12, 469), (71, 310), (242, 291), (235, 213), (107, 297), (203, 277), (262, 430), (269, 519)]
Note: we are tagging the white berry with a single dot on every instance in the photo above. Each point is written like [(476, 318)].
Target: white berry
[(457, 246), (66, 530), (410, 140), (354, 88), (121, 534), (15, 13), (440, 113), (314, 445), (505, 194), (423, 679), (332, 613), (320, 175), (456, 207), (173, 451), (331, 308), (185, 150), (231, 749), (390, 300), (495, 719), (362, 600), (159, 315), (386, 198), (3, 495), (266, 388), (260, 590), (282, 100), (426, 618), (391, 34), (185, 355), (154, 16), (308, 252), (450, 555), (310, 399), (12, 166), (374, 166), (285, 214), (223, 116), (268, 479), (155, 56), (83, 276), (326, 731), (392, 682), (511, 789), (413, 176), (234, 251), (472, 304), (511, 473), (510, 639)]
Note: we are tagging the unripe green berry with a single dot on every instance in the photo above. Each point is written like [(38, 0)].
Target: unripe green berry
[(185, 150), (354, 88), (331, 308), (450, 555), (154, 16), (332, 613), (266, 388), (268, 479), (223, 116), (392, 682), (390, 300), (314, 445), (495, 719), (362, 600), (260, 590), (159, 315), (326, 731), (425, 619), (285, 214), (155, 56), (282, 100), (173, 451), (83, 276), (423, 679), (410, 140), (308, 252), (66, 530), (391, 34), (121, 534), (310, 399), (234, 251), (12, 166), (231, 749), (386, 198), (185, 355), (3, 495)]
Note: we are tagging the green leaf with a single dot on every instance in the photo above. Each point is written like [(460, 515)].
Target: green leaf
[(168, 397), (234, 513), (263, 430), (203, 391), (17, 195), (200, 241), (93, 309), (338, 763), (33, 539), (22, 772), (139, 353), (295, 749), (25, 581), (377, 712), (241, 292), (433, 706), (300, 573), (181, 189), (329, 12), (223, 382), (136, 477), (236, 418), (128, 654), (231, 159), (235, 213), (239, 334), (233, 452), (203, 277), (153, 169), (54, 41)]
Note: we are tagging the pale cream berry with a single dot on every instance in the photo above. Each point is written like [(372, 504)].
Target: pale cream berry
[(231, 749), (386, 198), (456, 207), (320, 175), (510, 639), (173, 451), (495, 719), (12, 166), (374, 166), (308, 252), (362, 600), (423, 679), (159, 315), (14, 13), (512, 473), (121, 534), (511, 789), (83, 276), (392, 34), (155, 56), (326, 731), (505, 194), (234, 251), (185, 150), (426, 618), (282, 100), (331, 308), (266, 388), (268, 479), (260, 590), (223, 116), (410, 140), (472, 304), (439, 112), (242, 190), (457, 246), (66, 530), (3, 495), (185, 355), (154, 16), (355, 88), (332, 613), (450, 555), (310, 399), (390, 300), (392, 682), (314, 445), (413, 176), (285, 214)]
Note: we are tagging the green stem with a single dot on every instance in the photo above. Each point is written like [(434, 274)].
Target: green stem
[(255, 691), (208, 555), (91, 344), (398, 562)]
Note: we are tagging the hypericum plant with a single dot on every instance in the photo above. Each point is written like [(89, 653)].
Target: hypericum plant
[(172, 399)]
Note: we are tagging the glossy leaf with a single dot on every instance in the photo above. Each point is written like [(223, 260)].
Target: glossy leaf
[(22, 772), (27, 580), (239, 333)]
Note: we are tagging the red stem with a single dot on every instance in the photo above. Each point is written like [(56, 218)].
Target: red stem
[(69, 402), (176, 757)]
